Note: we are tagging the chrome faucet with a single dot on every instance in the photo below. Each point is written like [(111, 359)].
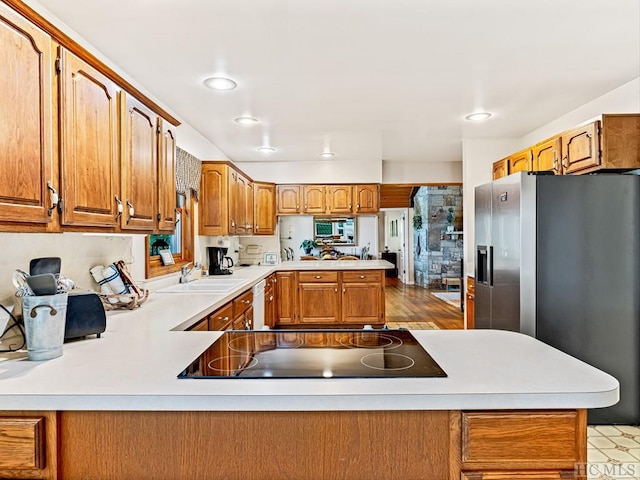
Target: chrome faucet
[(185, 272)]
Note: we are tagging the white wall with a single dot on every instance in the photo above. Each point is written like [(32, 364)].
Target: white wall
[(624, 99), (425, 172), (330, 171)]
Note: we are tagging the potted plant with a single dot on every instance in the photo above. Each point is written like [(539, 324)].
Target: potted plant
[(450, 218), (307, 245)]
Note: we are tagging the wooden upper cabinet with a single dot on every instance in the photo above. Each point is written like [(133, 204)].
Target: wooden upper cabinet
[(89, 132), (546, 156), (139, 166), (25, 120), (340, 199), (500, 168), (248, 208), (213, 212), (581, 148), (288, 199), (166, 217), (239, 198), (367, 198), (521, 161), (234, 214), (314, 199), (264, 208)]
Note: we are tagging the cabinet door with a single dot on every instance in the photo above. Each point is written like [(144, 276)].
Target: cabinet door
[(581, 148), (269, 308), (288, 199), (367, 197), (286, 297), (340, 199), (362, 303), (264, 201), (500, 168), (167, 179), (239, 198), (139, 166), (546, 156), (248, 208), (315, 200), (25, 120), (234, 215), (89, 130), (319, 302), (213, 208), (521, 161)]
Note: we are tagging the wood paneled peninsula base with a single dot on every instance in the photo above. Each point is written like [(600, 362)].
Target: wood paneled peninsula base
[(492, 444)]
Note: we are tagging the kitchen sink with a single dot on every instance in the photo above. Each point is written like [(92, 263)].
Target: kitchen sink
[(208, 285)]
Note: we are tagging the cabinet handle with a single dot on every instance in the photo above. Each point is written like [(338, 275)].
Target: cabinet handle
[(120, 208), (344, 290), (336, 290), (297, 206), (54, 198), (132, 211), (246, 302), (362, 276), (565, 159), (318, 276), (224, 319), (270, 298), (305, 207), (358, 206), (233, 224)]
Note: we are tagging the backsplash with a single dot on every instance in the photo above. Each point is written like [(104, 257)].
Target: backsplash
[(78, 253)]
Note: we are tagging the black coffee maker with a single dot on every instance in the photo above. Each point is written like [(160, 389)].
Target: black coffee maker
[(219, 263)]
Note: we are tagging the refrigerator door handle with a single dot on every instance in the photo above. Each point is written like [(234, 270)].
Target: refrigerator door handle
[(490, 267)]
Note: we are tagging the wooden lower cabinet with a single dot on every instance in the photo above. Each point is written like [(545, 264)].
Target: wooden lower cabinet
[(381, 445), (28, 445), (521, 475), (470, 308), (331, 298)]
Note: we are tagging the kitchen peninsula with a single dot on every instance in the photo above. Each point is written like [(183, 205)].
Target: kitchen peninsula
[(114, 408)]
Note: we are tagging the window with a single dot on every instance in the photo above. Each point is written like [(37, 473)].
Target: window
[(180, 243)]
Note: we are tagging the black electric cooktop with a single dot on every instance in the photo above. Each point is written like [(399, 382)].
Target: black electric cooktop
[(314, 354)]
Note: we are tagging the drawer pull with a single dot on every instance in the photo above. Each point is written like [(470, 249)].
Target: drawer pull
[(318, 276), (362, 276), (246, 302), (224, 319)]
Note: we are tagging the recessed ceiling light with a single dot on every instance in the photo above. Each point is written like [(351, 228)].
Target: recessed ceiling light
[(478, 116), (266, 149), (327, 154), (220, 83), (246, 120)]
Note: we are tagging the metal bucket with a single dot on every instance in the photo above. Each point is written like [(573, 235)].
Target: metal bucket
[(44, 319)]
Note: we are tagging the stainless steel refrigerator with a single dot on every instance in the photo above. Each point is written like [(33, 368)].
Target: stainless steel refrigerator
[(558, 258)]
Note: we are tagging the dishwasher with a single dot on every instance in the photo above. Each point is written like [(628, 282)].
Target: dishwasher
[(258, 305)]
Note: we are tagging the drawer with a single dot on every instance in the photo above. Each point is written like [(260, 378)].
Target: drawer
[(201, 326), (320, 277), (527, 439), (359, 276), (22, 443), (242, 302), (220, 319), (471, 285)]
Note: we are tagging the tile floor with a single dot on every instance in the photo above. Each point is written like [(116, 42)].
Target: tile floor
[(613, 452)]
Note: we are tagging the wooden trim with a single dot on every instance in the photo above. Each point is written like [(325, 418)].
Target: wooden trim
[(455, 444), (67, 42)]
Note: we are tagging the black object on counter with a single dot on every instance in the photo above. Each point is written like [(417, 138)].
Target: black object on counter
[(45, 265), (85, 315)]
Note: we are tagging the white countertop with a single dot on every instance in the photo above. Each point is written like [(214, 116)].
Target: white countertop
[(135, 363)]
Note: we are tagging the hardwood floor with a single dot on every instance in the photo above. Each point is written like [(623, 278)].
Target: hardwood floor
[(408, 306)]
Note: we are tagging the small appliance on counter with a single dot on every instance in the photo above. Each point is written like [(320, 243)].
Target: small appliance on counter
[(219, 263), (85, 315)]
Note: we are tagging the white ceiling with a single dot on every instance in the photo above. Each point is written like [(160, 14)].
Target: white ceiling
[(370, 79)]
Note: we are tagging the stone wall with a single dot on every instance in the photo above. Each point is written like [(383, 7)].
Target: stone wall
[(437, 254)]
